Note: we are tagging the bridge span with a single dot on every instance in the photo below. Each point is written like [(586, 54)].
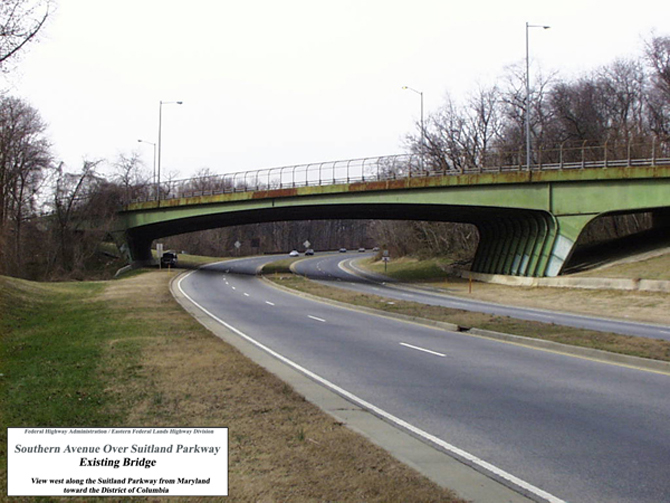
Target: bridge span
[(528, 219)]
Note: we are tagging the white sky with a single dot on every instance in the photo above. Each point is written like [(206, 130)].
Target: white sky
[(279, 82)]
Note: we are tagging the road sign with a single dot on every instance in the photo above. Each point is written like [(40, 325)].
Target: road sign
[(307, 244), (238, 244)]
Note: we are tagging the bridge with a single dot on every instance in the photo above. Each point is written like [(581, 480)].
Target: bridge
[(528, 217)]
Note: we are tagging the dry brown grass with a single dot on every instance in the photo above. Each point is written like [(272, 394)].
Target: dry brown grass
[(656, 266), (282, 448), (646, 307)]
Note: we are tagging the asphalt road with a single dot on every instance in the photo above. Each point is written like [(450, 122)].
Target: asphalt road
[(326, 268), (576, 429)]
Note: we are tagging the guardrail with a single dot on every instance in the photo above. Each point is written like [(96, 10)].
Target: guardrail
[(401, 166)]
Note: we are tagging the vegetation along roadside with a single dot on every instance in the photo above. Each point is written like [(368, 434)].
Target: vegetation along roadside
[(124, 353)]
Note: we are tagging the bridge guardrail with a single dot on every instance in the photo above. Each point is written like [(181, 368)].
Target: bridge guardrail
[(402, 166)]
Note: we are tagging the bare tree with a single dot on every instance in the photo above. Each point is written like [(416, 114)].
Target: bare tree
[(622, 85), (516, 109), (24, 157), (130, 175), (73, 196), (460, 137), (658, 58), (578, 111), (20, 22)]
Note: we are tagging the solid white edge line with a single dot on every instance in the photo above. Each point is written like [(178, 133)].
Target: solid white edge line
[(380, 412), (423, 349)]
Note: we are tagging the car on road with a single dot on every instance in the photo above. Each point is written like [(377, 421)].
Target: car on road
[(169, 259), (361, 250), (294, 253), (309, 251), (343, 250)]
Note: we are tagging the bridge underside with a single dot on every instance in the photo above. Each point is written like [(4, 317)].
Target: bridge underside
[(512, 241)]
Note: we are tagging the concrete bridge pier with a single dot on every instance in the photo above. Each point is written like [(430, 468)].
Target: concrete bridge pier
[(140, 250), (530, 243), (569, 227)]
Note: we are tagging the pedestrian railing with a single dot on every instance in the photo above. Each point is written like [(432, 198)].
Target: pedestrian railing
[(395, 167)]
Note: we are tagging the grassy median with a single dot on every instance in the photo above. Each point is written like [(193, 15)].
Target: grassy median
[(124, 353)]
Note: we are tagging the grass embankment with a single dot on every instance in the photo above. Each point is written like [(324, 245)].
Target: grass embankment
[(282, 266), (124, 353), (635, 346), (412, 270), (657, 268)]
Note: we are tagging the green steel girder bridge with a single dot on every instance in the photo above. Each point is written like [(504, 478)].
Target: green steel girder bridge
[(528, 219)]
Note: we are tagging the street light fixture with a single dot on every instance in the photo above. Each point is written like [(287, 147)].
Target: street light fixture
[(528, 149), (153, 178), (158, 168), (423, 135)]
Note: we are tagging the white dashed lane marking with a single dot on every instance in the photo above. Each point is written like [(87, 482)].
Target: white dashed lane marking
[(441, 355)]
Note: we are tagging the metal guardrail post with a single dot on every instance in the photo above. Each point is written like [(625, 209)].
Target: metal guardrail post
[(653, 151)]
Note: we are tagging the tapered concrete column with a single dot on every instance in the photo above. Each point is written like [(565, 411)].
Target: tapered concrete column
[(140, 250), (569, 229)]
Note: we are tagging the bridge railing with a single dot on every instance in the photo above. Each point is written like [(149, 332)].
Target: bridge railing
[(566, 155)]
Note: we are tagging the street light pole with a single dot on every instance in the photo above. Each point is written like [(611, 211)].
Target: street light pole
[(528, 149), (423, 135), (153, 178), (158, 169)]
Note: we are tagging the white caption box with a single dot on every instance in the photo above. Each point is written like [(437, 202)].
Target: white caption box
[(117, 461)]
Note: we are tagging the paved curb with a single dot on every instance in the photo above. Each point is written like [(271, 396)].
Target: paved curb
[(637, 284), (433, 463), (578, 351)]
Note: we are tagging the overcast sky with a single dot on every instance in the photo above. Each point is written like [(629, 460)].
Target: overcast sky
[(270, 83)]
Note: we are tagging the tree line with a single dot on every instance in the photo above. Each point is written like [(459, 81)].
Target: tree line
[(624, 103), (53, 219)]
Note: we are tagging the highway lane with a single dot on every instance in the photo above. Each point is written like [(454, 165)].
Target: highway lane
[(327, 268), (578, 429)]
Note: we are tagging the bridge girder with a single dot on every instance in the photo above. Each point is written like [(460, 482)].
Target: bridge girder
[(528, 222)]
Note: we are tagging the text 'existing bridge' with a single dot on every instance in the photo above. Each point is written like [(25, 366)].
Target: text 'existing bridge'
[(528, 219)]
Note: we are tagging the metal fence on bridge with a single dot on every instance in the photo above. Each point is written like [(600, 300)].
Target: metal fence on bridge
[(401, 166)]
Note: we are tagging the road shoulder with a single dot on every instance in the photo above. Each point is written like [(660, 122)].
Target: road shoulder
[(435, 464)]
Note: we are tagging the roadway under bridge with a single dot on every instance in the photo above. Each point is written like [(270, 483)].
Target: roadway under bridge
[(528, 220)]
